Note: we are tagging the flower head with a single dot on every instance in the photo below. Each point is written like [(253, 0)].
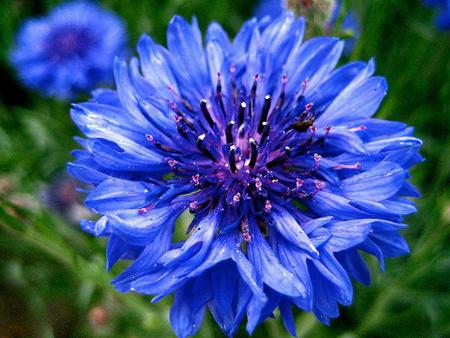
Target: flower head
[(271, 149), (69, 51)]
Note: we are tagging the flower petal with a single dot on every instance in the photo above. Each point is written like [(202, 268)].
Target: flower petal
[(377, 184), (286, 224), (269, 268)]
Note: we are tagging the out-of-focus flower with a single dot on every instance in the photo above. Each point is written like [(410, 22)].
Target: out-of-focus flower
[(274, 152), (69, 51), (62, 196), (442, 19)]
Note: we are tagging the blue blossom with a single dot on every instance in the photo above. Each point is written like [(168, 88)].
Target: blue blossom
[(69, 51), (442, 19), (274, 153)]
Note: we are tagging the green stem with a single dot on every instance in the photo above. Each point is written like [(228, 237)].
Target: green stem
[(78, 266)]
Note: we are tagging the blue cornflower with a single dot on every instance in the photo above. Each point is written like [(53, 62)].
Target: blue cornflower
[(442, 19), (70, 51), (274, 153)]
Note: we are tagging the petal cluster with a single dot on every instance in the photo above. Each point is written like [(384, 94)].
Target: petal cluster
[(272, 151), (77, 36)]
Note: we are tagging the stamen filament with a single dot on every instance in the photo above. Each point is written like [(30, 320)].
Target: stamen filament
[(264, 112), (254, 154)]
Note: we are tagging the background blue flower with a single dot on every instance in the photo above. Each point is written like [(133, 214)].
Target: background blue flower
[(442, 19), (274, 153), (69, 51)]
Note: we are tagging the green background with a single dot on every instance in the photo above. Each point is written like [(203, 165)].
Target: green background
[(52, 277)]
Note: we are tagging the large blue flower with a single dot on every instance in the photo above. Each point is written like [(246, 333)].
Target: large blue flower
[(271, 149), (69, 51)]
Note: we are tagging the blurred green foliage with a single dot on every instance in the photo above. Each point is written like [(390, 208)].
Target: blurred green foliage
[(52, 277)]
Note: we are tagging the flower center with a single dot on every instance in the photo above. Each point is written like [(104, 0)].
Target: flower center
[(68, 42), (245, 152)]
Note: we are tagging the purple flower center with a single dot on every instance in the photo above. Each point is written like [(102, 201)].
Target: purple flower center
[(246, 151), (68, 42)]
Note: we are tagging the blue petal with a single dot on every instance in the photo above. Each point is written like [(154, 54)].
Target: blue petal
[(328, 204), (320, 236), (119, 249), (127, 157), (286, 224), (242, 41), (155, 66), (187, 313), (86, 172), (106, 97), (145, 262), (126, 93), (295, 260), (355, 265), (344, 140), (330, 268), (113, 194), (385, 209), (325, 305), (377, 184), (269, 268), (337, 80), (360, 99), (347, 234), (188, 59), (216, 33), (277, 44), (391, 243), (141, 229), (226, 247), (201, 240), (315, 223), (96, 228), (224, 279), (287, 317), (101, 121), (315, 56), (370, 247), (272, 8)]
